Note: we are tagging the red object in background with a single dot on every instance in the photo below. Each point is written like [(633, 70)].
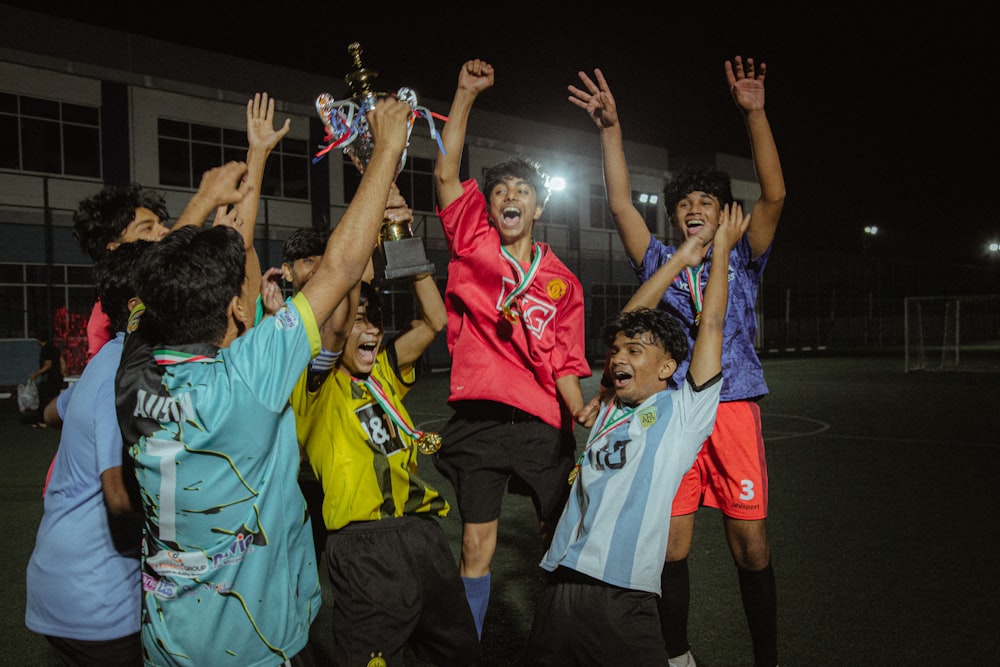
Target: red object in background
[(69, 332)]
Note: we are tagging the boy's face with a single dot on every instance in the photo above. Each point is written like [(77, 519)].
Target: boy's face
[(146, 226), (514, 208), (300, 270), (362, 343), (695, 210), (639, 367)]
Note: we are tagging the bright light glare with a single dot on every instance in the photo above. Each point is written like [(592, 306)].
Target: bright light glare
[(653, 199), (994, 247), (871, 230), (557, 184), (643, 198)]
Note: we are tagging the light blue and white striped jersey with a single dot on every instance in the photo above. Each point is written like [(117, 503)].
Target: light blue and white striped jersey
[(615, 524)]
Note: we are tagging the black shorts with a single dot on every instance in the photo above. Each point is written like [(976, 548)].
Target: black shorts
[(395, 582), (582, 621), (122, 652), (487, 445)]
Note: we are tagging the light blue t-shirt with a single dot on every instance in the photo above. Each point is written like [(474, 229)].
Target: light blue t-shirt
[(615, 524), (79, 586), (229, 567)]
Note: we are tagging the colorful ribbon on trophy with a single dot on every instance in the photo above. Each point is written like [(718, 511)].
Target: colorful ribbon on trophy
[(523, 279), (343, 127), (427, 443)]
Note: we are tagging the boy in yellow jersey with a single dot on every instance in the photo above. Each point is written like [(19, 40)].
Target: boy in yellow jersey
[(394, 578)]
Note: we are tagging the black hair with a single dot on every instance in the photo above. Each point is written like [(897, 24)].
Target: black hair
[(371, 299), (697, 179), (186, 282), (114, 278), (665, 330), (305, 242), (518, 167), (102, 218)]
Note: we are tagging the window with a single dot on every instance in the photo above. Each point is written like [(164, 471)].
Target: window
[(49, 136), (415, 182), (646, 204), (606, 300), (188, 150), (28, 304), (600, 214)]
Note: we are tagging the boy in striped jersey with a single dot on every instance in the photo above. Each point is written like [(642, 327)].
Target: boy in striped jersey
[(606, 555)]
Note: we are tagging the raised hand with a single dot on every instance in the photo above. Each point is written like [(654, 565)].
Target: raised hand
[(270, 291), (732, 225), (260, 123), (746, 83), (596, 100), (475, 76)]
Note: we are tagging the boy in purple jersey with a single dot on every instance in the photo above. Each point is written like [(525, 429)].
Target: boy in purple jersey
[(730, 472)]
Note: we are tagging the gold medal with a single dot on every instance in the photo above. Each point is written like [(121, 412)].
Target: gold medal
[(428, 443), (573, 474), (510, 314)]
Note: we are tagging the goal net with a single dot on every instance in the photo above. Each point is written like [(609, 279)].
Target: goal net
[(951, 333)]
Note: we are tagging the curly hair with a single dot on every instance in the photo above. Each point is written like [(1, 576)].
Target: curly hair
[(522, 168), (102, 218), (697, 179), (114, 277), (665, 330)]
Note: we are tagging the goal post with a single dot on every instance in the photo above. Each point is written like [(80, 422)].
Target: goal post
[(951, 333)]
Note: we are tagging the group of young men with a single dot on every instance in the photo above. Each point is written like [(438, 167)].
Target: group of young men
[(221, 423)]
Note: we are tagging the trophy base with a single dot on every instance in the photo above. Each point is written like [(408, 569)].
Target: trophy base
[(401, 258)]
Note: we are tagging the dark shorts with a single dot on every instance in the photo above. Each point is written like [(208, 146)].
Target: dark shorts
[(396, 582), (122, 652), (583, 621), (487, 446)]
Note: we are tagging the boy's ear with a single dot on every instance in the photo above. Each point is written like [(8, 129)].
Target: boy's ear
[(239, 313), (539, 209), (286, 271), (667, 368)]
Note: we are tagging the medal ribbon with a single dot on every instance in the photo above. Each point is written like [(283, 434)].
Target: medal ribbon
[(694, 286), (612, 420), (378, 393), (523, 279), (171, 357)]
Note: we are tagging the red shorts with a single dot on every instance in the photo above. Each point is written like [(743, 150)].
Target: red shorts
[(730, 472)]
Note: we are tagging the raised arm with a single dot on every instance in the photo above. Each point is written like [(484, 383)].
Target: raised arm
[(350, 246), (474, 77), (220, 186), (746, 84), (596, 99), (690, 253), (706, 356)]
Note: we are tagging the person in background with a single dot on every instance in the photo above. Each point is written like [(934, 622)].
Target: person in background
[(85, 601), (48, 377)]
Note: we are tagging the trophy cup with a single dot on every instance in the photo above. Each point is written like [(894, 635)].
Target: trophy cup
[(399, 253)]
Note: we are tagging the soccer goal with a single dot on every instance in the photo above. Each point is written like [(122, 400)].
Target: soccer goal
[(952, 333)]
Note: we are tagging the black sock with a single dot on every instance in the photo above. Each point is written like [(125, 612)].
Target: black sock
[(673, 606), (761, 607)]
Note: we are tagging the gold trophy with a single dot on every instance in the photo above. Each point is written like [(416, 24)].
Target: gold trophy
[(399, 253)]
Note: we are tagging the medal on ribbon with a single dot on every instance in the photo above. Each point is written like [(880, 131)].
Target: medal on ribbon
[(508, 307), (426, 442), (697, 292), (613, 418)]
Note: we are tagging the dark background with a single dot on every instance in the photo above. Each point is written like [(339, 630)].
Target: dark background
[(882, 116)]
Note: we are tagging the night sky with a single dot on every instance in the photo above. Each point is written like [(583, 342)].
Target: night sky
[(881, 116)]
